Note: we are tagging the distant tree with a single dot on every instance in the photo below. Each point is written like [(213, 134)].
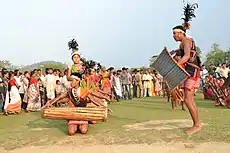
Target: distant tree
[(52, 65), (216, 55), (5, 64), (227, 56), (198, 50)]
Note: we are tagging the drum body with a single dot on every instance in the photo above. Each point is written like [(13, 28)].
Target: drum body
[(172, 73), (76, 113)]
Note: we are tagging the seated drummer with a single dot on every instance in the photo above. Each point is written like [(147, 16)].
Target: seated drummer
[(78, 100)]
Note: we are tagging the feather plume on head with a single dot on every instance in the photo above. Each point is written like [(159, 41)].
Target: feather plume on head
[(189, 9), (88, 64), (189, 14), (73, 44)]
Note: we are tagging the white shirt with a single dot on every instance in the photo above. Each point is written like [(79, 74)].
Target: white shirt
[(50, 81), (18, 80), (42, 78), (224, 72), (203, 73), (65, 83)]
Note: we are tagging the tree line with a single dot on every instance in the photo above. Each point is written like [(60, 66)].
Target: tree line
[(215, 57)]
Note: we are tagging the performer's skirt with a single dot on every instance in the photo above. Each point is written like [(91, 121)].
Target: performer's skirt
[(191, 84)]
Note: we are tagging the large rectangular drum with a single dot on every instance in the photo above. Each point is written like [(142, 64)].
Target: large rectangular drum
[(76, 113), (169, 69)]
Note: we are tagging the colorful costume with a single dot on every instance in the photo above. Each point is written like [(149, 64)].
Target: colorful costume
[(81, 91), (34, 101), (106, 83), (193, 65)]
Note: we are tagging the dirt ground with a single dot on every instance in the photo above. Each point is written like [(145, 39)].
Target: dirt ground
[(213, 147), (159, 125)]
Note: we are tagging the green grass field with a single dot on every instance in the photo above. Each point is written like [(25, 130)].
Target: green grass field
[(30, 129)]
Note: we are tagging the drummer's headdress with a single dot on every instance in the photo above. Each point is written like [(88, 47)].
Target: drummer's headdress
[(189, 9), (89, 64), (73, 44)]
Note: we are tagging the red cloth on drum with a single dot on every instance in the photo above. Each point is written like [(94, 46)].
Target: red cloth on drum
[(73, 122)]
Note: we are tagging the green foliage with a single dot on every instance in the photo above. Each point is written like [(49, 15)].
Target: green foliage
[(5, 64), (217, 55), (54, 66), (43, 65), (198, 50)]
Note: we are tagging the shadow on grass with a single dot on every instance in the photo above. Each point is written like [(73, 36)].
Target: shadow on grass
[(47, 124), (149, 107), (123, 119)]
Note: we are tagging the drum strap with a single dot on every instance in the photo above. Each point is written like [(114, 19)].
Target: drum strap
[(194, 65)]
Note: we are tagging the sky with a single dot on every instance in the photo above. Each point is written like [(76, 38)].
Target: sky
[(114, 32)]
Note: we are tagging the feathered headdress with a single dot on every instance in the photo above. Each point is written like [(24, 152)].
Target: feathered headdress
[(73, 44), (88, 64), (189, 14)]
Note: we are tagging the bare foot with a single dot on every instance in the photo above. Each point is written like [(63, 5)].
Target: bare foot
[(194, 129)]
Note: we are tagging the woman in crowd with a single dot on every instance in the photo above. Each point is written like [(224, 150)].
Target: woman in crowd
[(25, 85), (34, 103), (13, 99)]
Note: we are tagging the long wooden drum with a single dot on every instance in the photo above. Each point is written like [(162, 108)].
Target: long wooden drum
[(169, 69), (76, 113)]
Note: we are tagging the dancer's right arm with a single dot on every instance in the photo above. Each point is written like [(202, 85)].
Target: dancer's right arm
[(55, 100)]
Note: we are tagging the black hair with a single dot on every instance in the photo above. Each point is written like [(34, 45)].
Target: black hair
[(180, 27), (16, 72), (26, 72), (10, 75), (32, 73), (57, 81)]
